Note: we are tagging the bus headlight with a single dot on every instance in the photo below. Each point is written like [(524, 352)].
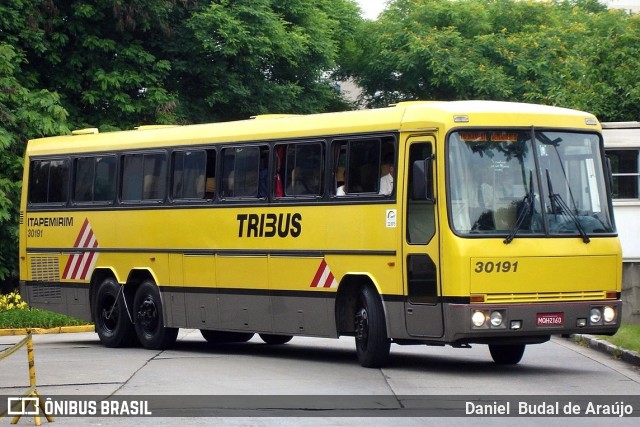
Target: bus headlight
[(478, 319), (496, 319), (595, 317), (609, 315)]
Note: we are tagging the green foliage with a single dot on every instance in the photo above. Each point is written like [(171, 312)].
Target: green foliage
[(260, 56), (35, 318), (24, 113), (628, 336), (572, 53)]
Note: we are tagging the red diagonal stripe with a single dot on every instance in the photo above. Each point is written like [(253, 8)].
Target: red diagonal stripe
[(316, 280), (89, 259), (329, 281), (84, 227)]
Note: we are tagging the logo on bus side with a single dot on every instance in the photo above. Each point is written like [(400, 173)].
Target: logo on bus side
[(269, 225)]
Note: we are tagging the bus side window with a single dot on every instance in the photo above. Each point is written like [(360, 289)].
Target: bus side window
[(364, 166), (193, 175), (95, 179), (241, 171), (420, 213), (143, 177), (49, 181), (303, 169)]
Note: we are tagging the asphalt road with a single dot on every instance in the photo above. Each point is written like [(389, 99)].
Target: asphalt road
[(300, 381)]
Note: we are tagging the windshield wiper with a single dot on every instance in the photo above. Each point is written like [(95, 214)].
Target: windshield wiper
[(527, 207), (559, 205)]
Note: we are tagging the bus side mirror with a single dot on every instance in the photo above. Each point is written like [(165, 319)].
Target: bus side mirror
[(422, 185), (609, 175)]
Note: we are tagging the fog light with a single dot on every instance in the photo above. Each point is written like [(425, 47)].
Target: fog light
[(478, 319), (609, 314), (581, 323), (516, 324), (496, 319), (596, 316)]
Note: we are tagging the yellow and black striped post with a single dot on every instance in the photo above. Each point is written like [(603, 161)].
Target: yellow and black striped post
[(32, 393)]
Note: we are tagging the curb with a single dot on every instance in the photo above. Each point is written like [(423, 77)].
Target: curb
[(41, 331), (604, 346)]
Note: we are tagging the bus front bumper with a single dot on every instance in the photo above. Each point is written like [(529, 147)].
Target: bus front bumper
[(532, 322)]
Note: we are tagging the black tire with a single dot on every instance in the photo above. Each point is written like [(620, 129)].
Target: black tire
[(275, 339), (223, 337), (506, 354), (112, 321), (372, 343), (149, 320)]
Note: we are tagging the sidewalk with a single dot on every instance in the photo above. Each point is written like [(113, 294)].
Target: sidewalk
[(604, 346)]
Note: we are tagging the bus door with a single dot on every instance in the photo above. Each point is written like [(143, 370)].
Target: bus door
[(423, 309)]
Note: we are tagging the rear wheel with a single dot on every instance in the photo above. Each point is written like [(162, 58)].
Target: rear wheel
[(275, 339), (372, 344), (112, 321), (506, 354), (222, 337), (149, 322)]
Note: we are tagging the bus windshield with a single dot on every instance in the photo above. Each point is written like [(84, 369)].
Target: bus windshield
[(524, 182)]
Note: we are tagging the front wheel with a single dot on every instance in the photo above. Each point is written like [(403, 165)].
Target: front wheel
[(506, 354), (113, 323), (372, 344), (149, 322)]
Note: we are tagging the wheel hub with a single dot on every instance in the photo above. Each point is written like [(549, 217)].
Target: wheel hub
[(147, 313), (362, 325)]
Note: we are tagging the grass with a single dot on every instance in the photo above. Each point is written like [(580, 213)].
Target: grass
[(628, 337), (36, 318)]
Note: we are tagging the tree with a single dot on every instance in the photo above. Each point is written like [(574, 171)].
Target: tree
[(24, 114), (96, 56), (571, 53), (235, 59)]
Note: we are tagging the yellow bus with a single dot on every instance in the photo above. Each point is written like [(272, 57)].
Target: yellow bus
[(466, 222)]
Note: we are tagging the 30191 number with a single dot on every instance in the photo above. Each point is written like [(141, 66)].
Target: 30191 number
[(34, 232), (496, 267)]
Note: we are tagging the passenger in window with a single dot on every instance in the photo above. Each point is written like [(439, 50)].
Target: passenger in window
[(386, 172), (210, 188), (229, 184), (263, 176), (297, 185)]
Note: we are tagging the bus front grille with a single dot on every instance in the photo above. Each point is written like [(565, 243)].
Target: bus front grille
[(545, 297)]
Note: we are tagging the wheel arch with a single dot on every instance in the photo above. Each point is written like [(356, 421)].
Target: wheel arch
[(134, 279), (347, 298)]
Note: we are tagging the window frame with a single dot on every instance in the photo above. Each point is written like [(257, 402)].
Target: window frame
[(114, 179), (162, 178), (210, 165), (65, 188), (636, 174)]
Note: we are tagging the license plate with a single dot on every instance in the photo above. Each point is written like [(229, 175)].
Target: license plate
[(549, 319)]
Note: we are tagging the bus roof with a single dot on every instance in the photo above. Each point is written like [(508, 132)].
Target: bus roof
[(410, 116)]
